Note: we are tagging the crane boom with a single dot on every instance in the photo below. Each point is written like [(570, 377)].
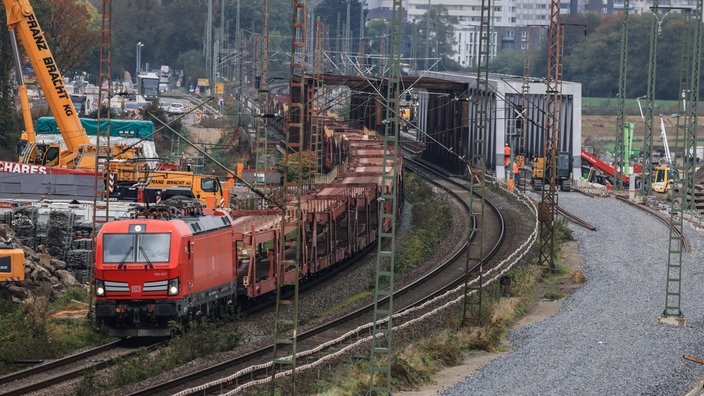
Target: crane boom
[(22, 91), (22, 20), (663, 136)]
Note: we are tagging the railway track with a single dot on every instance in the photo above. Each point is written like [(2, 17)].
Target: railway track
[(575, 219), (54, 372), (349, 334), (662, 218)]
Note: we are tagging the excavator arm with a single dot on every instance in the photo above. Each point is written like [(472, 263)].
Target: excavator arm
[(22, 20)]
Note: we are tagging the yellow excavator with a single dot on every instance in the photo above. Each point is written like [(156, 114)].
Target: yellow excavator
[(664, 175)]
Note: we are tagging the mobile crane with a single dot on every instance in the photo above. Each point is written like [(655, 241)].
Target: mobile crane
[(80, 154), (28, 135)]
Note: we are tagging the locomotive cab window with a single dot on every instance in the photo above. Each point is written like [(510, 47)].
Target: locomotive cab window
[(136, 248)]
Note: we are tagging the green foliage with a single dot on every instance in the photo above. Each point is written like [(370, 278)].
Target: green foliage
[(609, 106), (333, 14), (30, 332), (445, 348), (203, 338), (25, 335), (416, 189), (89, 385), (563, 233), (135, 368), (290, 172), (404, 372), (434, 36), (431, 220), (74, 297)]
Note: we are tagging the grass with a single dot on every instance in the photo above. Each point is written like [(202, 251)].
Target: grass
[(204, 338), (431, 220), (30, 332), (610, 106), (346, 302), (422, 354)]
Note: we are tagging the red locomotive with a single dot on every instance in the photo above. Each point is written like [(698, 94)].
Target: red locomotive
[(172, 265), (164, 264)]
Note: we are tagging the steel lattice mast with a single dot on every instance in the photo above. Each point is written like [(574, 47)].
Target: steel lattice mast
[(481, 101), (646, 187), (292, 219), (381, 348), (691, 111), (673, 290), (317, 129), (261, 162), (620, 151), (103, 181), (553, 92)]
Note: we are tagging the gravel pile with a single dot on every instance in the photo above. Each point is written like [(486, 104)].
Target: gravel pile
[(607, 339)]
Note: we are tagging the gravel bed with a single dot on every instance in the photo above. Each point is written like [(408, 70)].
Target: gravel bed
[(607, 340), (358, 277)]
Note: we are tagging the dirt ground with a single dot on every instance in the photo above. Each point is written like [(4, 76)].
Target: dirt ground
[(604, 127), (543, 309)]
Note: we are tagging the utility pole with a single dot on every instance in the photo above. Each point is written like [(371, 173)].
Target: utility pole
[(286, 313), (553, 91), (646, 187), (347, 40), (382, 330), (619, 151), (209, 45), (427, 36)]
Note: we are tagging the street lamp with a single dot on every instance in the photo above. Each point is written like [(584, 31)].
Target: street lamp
[(139, 59)]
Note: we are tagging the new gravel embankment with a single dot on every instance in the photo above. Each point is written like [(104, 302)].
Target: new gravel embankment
[(607, 340)]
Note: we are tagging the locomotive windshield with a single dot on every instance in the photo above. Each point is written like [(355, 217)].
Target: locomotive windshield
[(136, 248)]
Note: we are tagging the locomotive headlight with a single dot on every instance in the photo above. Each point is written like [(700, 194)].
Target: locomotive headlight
[(99, 288), (173, 287)]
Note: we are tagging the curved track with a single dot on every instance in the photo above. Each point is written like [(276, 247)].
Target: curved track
[(440, 288), (663, 219), (57, 371)]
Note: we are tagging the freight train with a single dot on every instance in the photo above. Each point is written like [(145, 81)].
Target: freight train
[(173, 263)]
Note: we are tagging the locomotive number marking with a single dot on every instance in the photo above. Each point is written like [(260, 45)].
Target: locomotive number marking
[(136, 289)]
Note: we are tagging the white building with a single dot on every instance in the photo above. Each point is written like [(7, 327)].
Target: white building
[(509, 22)]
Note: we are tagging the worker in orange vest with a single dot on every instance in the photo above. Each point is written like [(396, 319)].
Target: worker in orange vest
[(516, 176), (507, 154)]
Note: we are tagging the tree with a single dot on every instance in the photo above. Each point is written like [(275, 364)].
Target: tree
[(9, 118), (308, 162), (508, 62), (72, 32), (333, 13), (434, 36)]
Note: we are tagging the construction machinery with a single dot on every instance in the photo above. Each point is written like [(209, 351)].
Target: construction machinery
[(563, 178), (75, 151), (28, 133), (78, 153), (664, 174), (605, 173)]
